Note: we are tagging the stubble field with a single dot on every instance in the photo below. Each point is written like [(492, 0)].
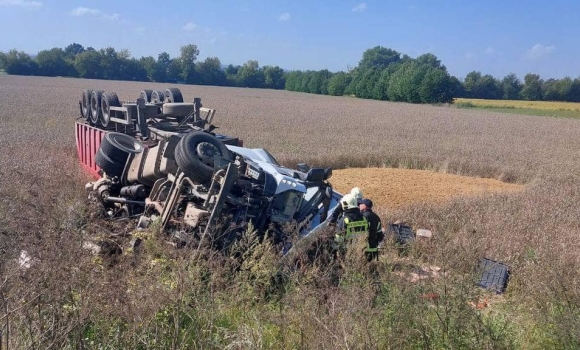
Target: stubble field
[(534, 230)]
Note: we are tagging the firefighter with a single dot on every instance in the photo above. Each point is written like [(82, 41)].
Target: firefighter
[(354, 192), (352, 222), (375, 229)]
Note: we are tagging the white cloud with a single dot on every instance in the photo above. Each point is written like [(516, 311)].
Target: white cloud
[(538, 51), (489, 51), (189, 26), (360, 7), (284, 17), (22, 3), (85, 11)]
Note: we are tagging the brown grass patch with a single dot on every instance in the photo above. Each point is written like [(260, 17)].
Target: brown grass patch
[(396, 188)]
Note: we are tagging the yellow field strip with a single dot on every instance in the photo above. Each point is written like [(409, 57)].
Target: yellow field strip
[(542, 105)]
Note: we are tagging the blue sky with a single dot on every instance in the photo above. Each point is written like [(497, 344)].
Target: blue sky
[(495, 37)]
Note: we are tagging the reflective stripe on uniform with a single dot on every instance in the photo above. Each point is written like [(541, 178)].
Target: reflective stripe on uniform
[(355, 227)]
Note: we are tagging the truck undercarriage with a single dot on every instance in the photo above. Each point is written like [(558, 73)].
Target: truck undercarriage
[(159, 161)]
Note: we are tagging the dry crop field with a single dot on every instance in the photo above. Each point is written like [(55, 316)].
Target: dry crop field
[(69, 299)]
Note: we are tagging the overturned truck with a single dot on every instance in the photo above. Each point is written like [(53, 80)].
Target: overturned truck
[(159, 161)]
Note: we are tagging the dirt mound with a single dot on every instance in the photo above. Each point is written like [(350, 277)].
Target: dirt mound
[(392, 188)]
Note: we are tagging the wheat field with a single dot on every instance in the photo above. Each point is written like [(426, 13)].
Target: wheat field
[(165, 298)]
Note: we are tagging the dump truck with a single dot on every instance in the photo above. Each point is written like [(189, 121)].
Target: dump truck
[(158, 160)]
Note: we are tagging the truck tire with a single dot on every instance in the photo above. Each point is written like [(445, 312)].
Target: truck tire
[(86, 104), (119, 146), (195, 153), (177, 110), (108, 100), (157, 96), (96, 106), (173, 95), (109, 166), (146, 95)]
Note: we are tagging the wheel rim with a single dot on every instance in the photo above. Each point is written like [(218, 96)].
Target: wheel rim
[(94, 110), (86, 107), (206, 153), (105, 116)]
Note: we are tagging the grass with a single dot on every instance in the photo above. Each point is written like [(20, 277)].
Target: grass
[(536, 108), (160, 298)]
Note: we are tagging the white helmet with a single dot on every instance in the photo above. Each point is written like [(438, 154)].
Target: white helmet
[(357, 193), (348, 201)]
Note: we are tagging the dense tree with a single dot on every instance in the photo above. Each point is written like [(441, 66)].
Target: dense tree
[(19, 63), (470, 83), (232, 75), (149, 64), (273, 77), (532, 90), (366, 81), (186, 62), (161, 67), (430, 60), (512, 87), (318, 82), (380, 90), (405, 84), (2, 61), (436, 86), (378, 57), (574, 94), (337, 83), (132, 69), (88, 64), (210, 72), (53, 63), (486, 86), (72, 50), (550, 90), (109, 63), (250, 75)]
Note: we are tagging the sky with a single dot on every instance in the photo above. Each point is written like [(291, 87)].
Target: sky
[(494, 37)]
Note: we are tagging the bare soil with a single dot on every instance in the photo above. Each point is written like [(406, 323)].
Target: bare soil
[(394, 188)]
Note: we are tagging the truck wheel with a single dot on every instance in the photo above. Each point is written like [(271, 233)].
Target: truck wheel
[(96, 106), (146, 95), (110, 167), (195, 154), (177, 110), (108, 100), (119, 146), (157, 96), (173, 95), (86, 104)]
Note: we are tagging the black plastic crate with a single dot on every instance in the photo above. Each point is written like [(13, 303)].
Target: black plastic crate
[(494, 275)]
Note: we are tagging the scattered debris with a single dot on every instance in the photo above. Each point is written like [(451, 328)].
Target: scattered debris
[(25, 261), (421, 232), (494, 275)]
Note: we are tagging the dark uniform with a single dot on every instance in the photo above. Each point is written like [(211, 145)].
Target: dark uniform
[(375, 234)]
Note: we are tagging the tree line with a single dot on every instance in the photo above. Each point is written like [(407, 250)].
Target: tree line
[(78, 61), (533, 88), (382, 74)]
